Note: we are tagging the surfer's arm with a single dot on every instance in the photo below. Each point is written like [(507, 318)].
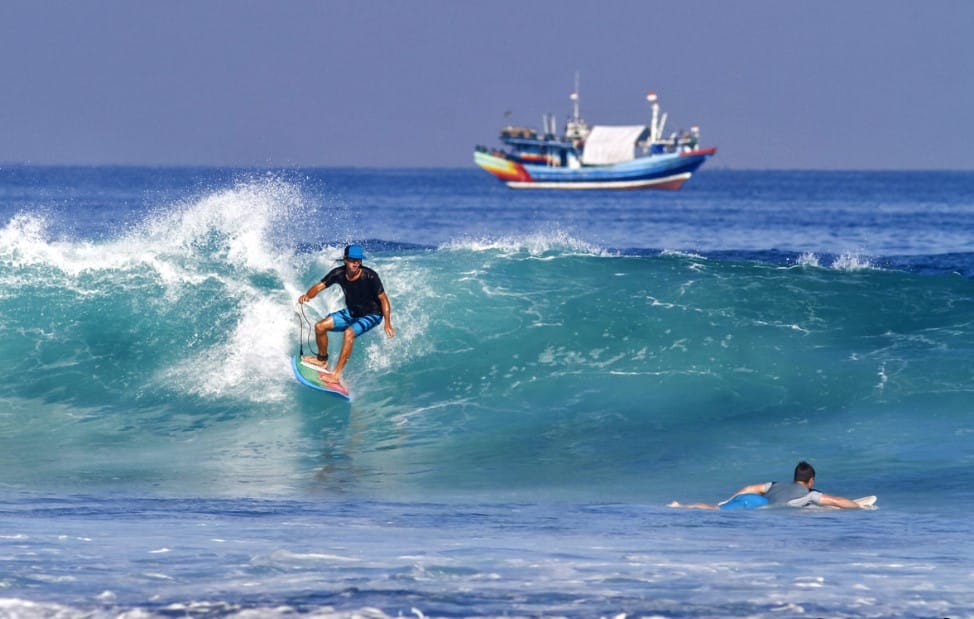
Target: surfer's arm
[(837, 501), (312, 292), (387, 314)]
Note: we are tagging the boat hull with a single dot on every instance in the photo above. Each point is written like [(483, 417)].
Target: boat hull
[(502, 168), (667, 171)]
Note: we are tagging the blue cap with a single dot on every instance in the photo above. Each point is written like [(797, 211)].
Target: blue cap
[(354, 252)]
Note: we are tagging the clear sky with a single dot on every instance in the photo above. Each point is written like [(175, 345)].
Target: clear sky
[(826, 84)]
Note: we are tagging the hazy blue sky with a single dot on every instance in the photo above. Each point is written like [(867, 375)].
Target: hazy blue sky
[(773, 84)]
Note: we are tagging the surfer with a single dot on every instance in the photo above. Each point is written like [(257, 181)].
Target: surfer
[(366, 306), (799, 493)]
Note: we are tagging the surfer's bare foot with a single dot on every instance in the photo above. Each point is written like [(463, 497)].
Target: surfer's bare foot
[(334, 379), (313, 360)]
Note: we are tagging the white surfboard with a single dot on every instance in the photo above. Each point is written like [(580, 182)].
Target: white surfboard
[(867, 502)]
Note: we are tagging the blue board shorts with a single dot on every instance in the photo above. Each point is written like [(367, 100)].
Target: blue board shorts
[(745, 501), (343, 320)]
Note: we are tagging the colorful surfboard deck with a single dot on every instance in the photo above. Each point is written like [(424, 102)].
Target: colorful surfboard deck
[(310, 375)]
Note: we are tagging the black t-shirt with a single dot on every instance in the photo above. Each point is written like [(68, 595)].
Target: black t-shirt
[(362, 295)]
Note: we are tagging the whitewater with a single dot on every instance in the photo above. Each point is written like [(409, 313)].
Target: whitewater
[(565, 365)]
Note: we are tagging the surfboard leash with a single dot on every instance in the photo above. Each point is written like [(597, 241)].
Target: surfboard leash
[(302, 319)]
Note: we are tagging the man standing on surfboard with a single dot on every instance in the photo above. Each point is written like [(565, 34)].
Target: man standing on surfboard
[(799, 493), (366, 305)]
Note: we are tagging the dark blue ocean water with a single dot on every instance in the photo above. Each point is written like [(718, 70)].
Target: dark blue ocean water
[(565, 365)]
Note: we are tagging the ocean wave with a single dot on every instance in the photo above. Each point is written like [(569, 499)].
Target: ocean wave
[(522, 361)]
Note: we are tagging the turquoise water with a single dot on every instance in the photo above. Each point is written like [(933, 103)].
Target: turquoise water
[(564, 366)]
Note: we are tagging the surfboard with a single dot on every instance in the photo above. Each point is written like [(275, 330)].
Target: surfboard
[(868, 502), (310, 375)]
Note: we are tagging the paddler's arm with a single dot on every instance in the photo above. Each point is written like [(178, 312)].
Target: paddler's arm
[(387, 314), (838, 501), (312, 292)]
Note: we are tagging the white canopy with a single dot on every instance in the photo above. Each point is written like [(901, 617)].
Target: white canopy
[(611, 144)]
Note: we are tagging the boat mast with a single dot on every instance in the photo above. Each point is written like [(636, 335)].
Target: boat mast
[(656, 125), (574, 97), (575, 129)]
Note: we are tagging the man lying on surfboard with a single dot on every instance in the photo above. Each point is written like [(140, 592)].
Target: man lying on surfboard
[(799, 493), (366, 306)]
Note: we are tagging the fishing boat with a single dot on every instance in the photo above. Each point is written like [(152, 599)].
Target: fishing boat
[(595, 157)]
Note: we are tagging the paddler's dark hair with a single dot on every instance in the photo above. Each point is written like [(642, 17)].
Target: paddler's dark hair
[(804, 471)]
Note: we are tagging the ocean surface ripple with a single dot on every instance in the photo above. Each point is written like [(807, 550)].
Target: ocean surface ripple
[(564, 365)]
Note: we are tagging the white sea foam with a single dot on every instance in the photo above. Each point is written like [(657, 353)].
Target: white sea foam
[(808, 259), (181, 245), (223, 245), (235, 224), (535, 245), (681, 254), (851, 262)]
